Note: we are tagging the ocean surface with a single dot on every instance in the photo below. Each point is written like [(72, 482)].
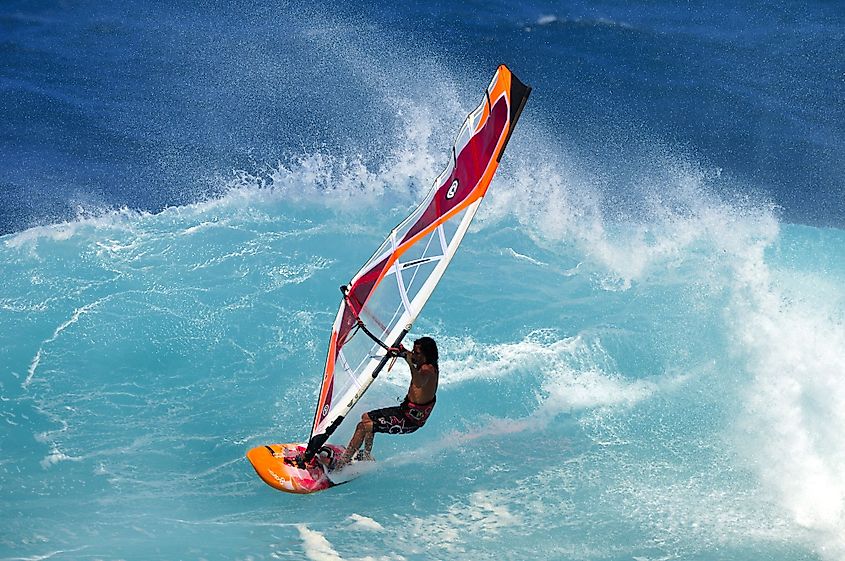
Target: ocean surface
[(642, 336)]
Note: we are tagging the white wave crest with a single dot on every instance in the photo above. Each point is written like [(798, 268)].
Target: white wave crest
[(576, 372), (56, 456), (359, 522), (482, 515), (790, 432), (316, 546), (624, 224)]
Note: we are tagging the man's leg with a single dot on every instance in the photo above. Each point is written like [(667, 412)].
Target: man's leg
[(368, 445), (363, 433), (367, 452)]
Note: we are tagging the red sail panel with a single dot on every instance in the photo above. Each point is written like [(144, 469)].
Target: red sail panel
[(470, 166)]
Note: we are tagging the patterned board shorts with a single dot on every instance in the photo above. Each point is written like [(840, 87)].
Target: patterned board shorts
[(403, 419)]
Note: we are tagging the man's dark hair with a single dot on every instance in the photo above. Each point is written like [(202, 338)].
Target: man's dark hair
[(429, 349)]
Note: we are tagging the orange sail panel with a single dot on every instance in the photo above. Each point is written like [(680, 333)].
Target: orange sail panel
[(387, 294)]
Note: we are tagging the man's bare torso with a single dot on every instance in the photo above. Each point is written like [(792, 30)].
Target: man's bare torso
[(424, 378), (423, 384)]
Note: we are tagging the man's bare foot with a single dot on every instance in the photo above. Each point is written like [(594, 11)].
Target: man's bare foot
[(364, 456), (342, 461)]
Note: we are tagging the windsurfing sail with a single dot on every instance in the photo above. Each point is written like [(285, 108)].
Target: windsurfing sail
[(384, 298)]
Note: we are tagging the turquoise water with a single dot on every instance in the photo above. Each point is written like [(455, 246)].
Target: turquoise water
[(666, 386)]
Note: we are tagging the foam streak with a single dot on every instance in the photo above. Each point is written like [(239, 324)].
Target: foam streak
[(36, 361)]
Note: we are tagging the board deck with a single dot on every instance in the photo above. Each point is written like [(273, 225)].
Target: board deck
[(274, 464)]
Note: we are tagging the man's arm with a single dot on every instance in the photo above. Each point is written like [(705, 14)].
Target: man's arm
[(409, 358)]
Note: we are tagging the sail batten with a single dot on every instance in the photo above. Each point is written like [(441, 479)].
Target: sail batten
[(377, 311)]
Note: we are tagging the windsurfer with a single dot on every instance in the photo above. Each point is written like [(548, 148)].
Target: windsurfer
[(414, 410)]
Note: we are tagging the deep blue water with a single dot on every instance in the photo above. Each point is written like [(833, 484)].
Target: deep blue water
[(643, 335), (124, 104)]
